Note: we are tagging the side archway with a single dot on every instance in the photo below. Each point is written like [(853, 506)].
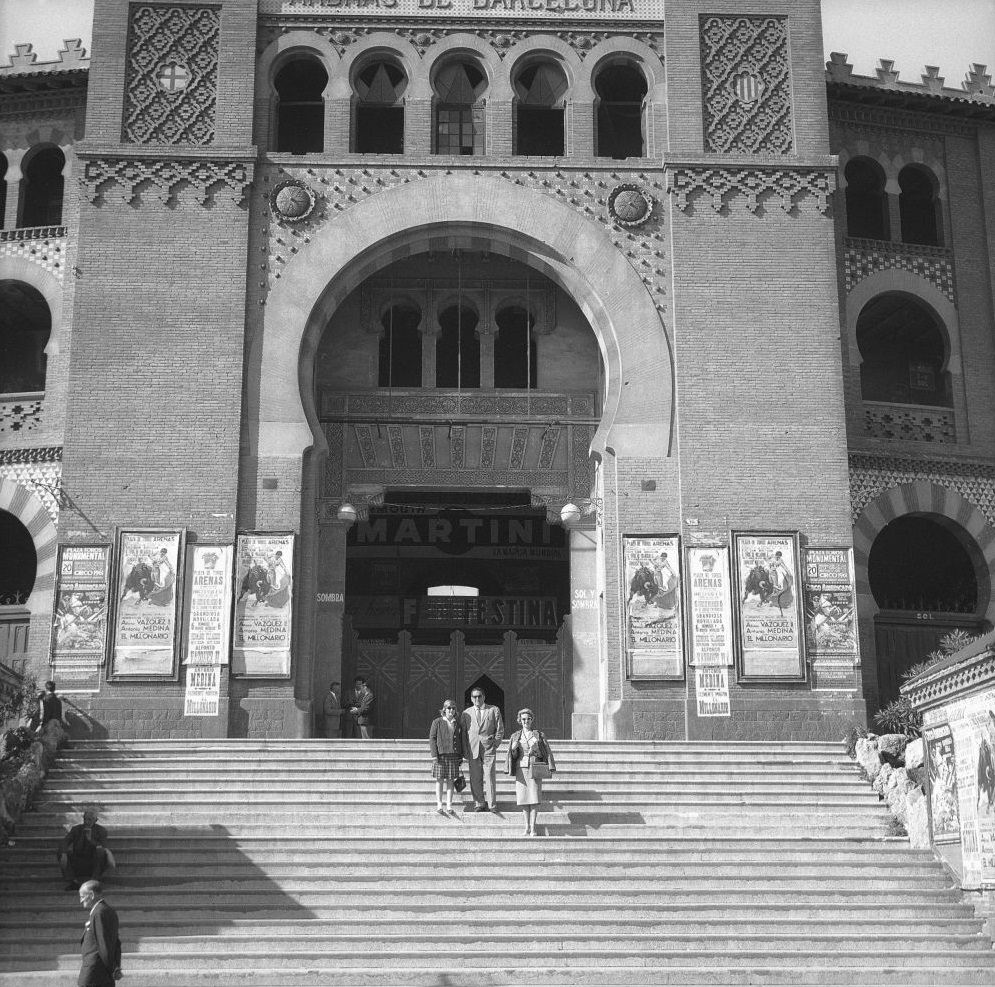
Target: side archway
[(28, 509)]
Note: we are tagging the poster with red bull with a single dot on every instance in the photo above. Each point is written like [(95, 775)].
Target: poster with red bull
[(652, 606), (148, 588), (264, 603), (768, 605), (79, 623)]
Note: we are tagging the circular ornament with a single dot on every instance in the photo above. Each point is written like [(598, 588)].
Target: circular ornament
[(173, 78), (629, 205), (293, 201), (747, 86)]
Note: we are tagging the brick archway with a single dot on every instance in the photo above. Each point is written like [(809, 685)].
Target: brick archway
[(32, 513)]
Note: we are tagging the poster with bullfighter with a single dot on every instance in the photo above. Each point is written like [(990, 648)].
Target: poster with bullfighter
[(264, 604), (653, 614), (148, 588), (768, 606)]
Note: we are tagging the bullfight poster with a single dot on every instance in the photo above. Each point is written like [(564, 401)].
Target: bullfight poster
[(208, 609), (709, 606), (148, 589), (768, 605), (653, 620), (711, 689), (941, 768), (203, 692), (79, 627), (831, 618), (264, 598)]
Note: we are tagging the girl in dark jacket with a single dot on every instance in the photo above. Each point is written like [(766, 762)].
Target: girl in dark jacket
[(447, 743)]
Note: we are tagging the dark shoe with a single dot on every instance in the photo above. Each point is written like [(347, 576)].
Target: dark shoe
[(475, 808)]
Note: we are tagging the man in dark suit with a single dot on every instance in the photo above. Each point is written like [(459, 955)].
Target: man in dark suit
[(360, 706), (83, 851), (100, 946)]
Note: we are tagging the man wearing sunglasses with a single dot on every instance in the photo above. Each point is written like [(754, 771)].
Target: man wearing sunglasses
[(484, 731)]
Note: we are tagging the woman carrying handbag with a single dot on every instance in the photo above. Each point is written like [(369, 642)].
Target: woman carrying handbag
[(447, 744), (530, 760)]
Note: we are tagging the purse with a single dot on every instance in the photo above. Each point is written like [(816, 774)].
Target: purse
[(539, 770), (459, 782)]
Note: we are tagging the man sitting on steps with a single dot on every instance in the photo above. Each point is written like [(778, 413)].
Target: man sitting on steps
[(82, 854)]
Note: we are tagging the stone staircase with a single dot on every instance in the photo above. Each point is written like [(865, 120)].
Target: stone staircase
[(266, 863)]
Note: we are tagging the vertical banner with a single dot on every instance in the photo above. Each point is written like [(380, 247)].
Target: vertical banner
[(711, 689), (148, 589), (653, 618), (710, 606), (208, 607), (768, 606), (941, 765), (79, 625), (264, 566), (831, 618), (202, 697)]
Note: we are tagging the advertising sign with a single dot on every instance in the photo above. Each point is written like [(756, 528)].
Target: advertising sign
[(710, 606), (554, 10), (79, 625), (941, 765), (712, 691), (830, 612), (768, 606), (652, 606), (202, 697), (148, 592), (208, 609), (264, 597)]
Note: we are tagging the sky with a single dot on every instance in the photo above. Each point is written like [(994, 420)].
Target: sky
[(952, 34)]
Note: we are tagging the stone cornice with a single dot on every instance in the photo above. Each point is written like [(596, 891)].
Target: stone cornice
[(959, 466), (962, 673)]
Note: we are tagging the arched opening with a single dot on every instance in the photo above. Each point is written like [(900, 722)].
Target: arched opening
[(300, 115), (25, 325), (925, 583), (18, 562), (457, 350), (400, 347), (459, 109), (866, 200), (919, 206), (42, 188), (621, 90), (493, 696), (903, 347), (540, 91), (515, 363), (3, 190), (379, 129)]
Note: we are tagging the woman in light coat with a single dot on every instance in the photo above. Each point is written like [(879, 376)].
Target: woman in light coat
[(448, 745), (526, 749)]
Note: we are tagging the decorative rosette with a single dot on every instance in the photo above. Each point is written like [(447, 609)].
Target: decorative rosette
[(293, 201), (629, 205)]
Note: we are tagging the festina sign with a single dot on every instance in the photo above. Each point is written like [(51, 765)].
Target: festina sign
[(538, 612)]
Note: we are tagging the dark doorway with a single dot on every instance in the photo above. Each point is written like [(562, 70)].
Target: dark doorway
[(19, 561), (493, 696)]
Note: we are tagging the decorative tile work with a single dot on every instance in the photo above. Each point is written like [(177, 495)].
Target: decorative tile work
[(871, 475), (457, 446), (519, 442), (21, 414), (396, 441), (42, 245), (331, 481), (164, 181), (862, 258), (367, 448), (911, 423), (38, 470), (449, 404), (172, 75), (872, 120), (547, 449), (582, 466), (746, 85), (426, 439), (788, 186), (488, 445)]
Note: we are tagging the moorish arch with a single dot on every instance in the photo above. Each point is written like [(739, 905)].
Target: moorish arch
[(28, 509), (914, 626)]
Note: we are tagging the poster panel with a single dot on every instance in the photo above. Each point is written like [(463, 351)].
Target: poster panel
[(768, 606), (709, 605), (653, 621), (712, 691), (208, 610), (202, 697), (941, 766), (264, 596), (830, 610), (148, 588), (79, 623)]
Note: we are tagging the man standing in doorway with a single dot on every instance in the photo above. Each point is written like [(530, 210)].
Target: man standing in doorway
[(331, 710), (485, 730), (360, 706)]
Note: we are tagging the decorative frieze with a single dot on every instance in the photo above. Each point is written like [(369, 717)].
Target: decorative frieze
[(951, 681), (42, 245), (38, 470), (789, 187), (21, 414), (875, 119), (456, 404), (909, 423), (862, 258), (165, 180)]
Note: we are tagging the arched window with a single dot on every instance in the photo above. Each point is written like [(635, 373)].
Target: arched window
[(457, 350), (459, 109), (866, 201), (515, 349), (903, 347), (400, 347), (621, 90), (540, 89), (379, 89), (18, 562), (42, 188), (3, 190), (25, 325), (300, 121), (918, 206)]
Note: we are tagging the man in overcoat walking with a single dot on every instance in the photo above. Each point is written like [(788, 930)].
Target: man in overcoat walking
[(100, 945)]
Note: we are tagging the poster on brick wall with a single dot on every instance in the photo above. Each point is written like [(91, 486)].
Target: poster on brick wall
[(709, 606), (830, 617), (711, 688), (768, 605), (264, 598), (208, 605), (148, 589), (941, 770), (203, 692), (653, 621), (79, 623)]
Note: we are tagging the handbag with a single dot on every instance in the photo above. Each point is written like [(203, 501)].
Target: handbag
[(459, 782), (539, 770)]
